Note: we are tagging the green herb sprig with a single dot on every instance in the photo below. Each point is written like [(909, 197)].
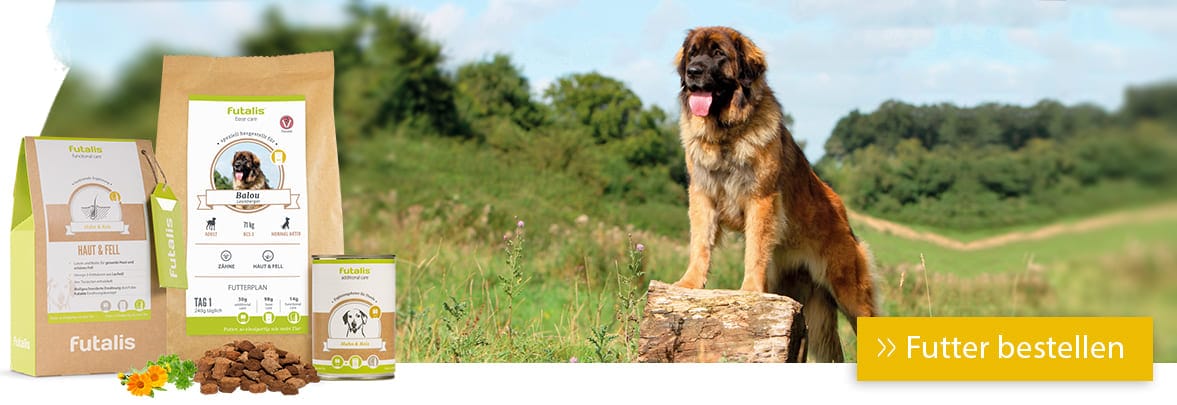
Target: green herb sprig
[(180, 371)]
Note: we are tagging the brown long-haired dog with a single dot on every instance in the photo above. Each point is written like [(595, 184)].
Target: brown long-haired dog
[(748, 175), (247, 172), (248, 175)]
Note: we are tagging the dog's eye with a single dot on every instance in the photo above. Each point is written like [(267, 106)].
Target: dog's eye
[(718, 53)]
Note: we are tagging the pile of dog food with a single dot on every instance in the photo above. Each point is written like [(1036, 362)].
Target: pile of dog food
[(254, 368)]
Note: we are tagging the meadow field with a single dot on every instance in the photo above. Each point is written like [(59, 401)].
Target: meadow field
[(567, 285)]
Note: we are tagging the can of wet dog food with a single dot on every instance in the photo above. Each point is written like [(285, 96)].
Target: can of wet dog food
[(353, 316)]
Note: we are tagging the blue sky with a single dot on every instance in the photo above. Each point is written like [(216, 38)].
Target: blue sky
[(825, 57)]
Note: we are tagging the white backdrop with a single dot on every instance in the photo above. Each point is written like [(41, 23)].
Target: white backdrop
[(30, 76)]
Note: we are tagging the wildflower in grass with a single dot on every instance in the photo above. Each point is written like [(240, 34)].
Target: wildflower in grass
[(139, 384), (157, 375), (519, 224), (640, 247), (573, 359)]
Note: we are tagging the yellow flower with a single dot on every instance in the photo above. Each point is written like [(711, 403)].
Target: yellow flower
[(122, 376), (139, 384), (157, 376)]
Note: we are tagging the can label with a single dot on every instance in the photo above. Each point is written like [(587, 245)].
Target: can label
[(353, 319)]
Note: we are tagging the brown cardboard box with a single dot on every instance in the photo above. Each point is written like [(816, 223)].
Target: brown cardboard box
[(85, 298)]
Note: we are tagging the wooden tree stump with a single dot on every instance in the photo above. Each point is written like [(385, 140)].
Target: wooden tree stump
[(698, 325)]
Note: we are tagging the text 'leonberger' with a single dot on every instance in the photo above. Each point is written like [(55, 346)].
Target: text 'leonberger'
[(748, 175)]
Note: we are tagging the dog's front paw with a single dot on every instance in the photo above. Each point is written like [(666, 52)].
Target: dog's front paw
[(688, 282), (752, 287)]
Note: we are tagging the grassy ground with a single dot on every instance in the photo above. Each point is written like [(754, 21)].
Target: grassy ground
[(1124, 270), (971, 235), (473, 286), (890, 250)]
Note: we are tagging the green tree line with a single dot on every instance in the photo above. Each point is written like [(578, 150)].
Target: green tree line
[(998, 165)]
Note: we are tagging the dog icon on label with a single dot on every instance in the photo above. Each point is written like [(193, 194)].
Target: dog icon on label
[(355, 320)]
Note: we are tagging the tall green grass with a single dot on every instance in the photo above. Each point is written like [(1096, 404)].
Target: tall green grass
[(473, 286), (891, 250)]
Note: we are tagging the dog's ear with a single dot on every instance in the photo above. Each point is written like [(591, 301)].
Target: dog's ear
[(752, 64), (680, 57), (345, 316), (257, 161)]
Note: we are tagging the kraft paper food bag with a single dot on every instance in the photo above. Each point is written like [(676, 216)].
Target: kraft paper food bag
[(248, 145), (85, 298)]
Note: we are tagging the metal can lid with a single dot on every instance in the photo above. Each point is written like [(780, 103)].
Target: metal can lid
[(351, 257)]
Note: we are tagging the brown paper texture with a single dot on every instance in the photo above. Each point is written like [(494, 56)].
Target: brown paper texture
[(53, 356), (310, 75)]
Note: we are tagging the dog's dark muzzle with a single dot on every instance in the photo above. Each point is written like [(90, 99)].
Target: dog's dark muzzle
[(700, 76)]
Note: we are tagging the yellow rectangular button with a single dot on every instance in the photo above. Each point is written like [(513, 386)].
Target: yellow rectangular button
[(1005, 349)]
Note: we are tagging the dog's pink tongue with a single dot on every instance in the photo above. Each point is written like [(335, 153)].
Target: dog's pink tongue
[(238, 175), (700, 102)]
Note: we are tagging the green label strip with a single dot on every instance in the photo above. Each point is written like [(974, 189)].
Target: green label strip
[(75, 138), (167, 228), (207, 97), (328, 369), (253, 325), (354, 261)]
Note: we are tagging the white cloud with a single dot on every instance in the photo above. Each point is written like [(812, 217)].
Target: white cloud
[(1159, 19), (444, 21), (497, 29), (313, 13), (652, 79), (931, 13), (864, 50), (664, 23), (162, 22), (648, 69)]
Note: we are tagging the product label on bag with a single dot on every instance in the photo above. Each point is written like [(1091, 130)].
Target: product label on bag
[(247, 241), (100, 264)]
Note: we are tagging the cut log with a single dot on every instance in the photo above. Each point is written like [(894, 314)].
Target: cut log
[(706, 326)]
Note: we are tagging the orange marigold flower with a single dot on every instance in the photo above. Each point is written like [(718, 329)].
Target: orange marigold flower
[(157, 376), (139, 384)]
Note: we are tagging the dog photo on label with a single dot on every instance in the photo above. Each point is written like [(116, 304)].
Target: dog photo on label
[(246, 166), (247, 172), (748, 175)]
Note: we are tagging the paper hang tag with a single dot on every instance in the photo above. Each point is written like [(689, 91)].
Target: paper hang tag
[(166, 227)]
